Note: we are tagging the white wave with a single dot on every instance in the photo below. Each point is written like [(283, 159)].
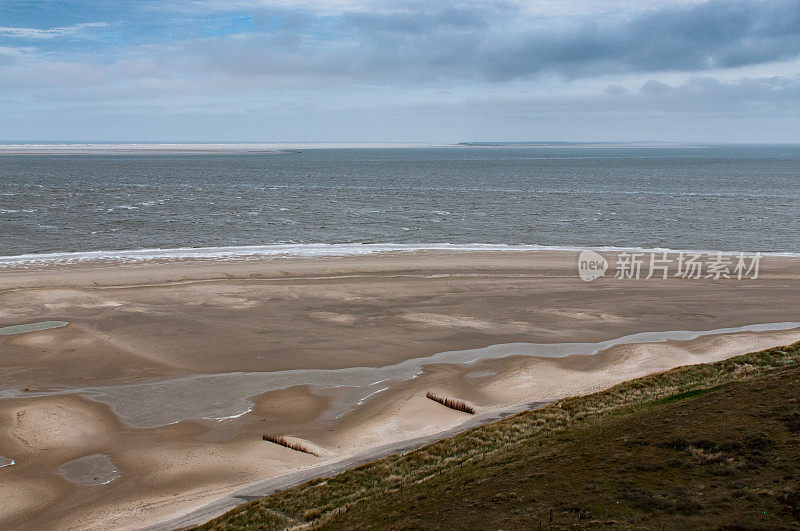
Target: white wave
[(361, 402), (229, 417), (319, 250)]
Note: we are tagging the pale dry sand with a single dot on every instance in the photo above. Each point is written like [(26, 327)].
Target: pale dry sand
[(148, 322)]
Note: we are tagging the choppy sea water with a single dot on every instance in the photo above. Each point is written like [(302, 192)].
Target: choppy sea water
[(721, 198)]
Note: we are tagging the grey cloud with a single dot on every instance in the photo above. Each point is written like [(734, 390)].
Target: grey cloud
[(760, 95), (717, 34), (421, 43), (776, 95), (501, 43)]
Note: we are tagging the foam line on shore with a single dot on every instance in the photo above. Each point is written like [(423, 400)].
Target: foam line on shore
[(312, 250), (224, 396)]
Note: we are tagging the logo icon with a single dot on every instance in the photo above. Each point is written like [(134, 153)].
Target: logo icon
[(591, 265)]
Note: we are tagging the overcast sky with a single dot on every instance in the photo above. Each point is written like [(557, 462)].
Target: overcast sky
[(394, 71)]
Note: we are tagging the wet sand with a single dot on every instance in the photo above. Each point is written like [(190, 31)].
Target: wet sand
[(136, 326)]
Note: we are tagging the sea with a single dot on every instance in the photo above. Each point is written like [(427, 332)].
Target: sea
[(355, 200)]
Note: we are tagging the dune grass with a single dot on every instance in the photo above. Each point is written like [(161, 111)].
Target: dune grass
[(452, 403), (703, 445)]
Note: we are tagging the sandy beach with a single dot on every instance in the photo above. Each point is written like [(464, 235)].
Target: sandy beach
[(152, 400)]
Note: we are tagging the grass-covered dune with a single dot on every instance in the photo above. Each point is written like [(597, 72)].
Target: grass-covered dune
[(709, 446)]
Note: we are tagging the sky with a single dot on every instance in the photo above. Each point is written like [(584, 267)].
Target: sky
[(400, 70)]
